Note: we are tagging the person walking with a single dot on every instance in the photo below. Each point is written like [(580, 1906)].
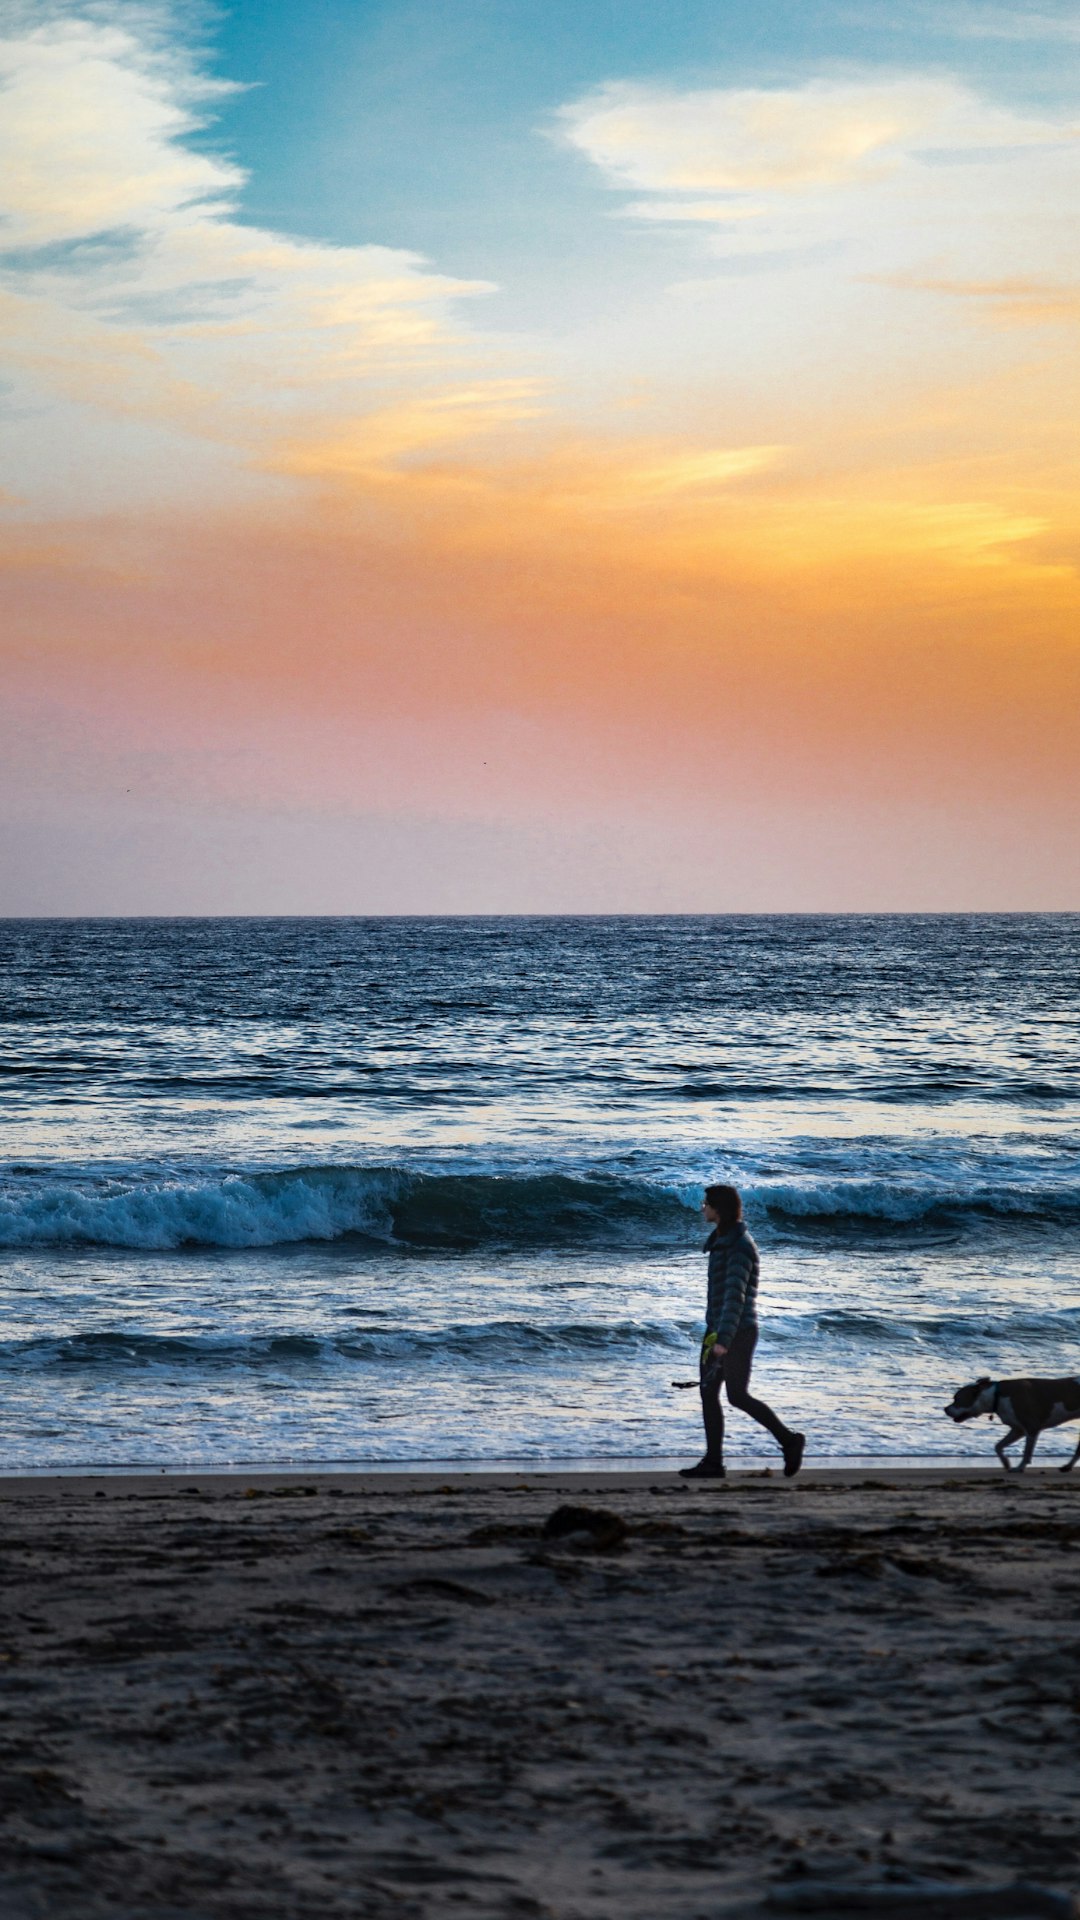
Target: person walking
[(731, 1331)]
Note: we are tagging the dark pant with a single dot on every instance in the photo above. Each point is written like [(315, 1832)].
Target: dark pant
[(732, 1372)]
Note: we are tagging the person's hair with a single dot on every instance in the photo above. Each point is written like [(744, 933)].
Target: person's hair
[(726, 1203)]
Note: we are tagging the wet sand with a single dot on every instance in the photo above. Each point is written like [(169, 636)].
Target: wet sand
[(329, 1695)]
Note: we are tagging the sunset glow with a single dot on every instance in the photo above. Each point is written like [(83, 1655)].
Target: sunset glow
[(696, 528)]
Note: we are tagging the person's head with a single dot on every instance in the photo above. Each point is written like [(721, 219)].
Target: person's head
[(723, 1206)]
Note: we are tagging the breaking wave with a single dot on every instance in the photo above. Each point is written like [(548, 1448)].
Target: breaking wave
[(385, 1204), (155, 1209)]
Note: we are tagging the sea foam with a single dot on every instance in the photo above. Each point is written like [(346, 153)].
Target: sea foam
[(155, 1209)]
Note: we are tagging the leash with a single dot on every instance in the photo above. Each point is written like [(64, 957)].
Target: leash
[(708, 1364)]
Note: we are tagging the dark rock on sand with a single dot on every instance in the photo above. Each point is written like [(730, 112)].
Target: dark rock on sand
[(595, 1527)]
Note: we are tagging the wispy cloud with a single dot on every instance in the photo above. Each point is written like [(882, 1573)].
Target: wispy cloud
[(687, 148), (732, 140), (707, 212), (1012, 302), (92, 133), (974, 21), (131, 283)]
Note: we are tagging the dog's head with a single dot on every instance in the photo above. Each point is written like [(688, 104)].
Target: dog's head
[(968, 1402)]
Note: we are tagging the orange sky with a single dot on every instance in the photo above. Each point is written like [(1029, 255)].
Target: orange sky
[(757, 590)]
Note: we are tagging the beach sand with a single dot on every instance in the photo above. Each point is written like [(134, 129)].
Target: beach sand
[(323, 1695)]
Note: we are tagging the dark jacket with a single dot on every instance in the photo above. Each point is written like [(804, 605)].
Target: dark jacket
[(733, 1283)]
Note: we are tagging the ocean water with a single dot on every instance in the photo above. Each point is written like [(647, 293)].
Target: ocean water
[(403, 1190)]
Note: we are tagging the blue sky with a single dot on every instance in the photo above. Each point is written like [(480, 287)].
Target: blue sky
[(416, 411), (425, 123)]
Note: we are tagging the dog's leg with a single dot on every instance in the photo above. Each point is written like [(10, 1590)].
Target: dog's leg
[(1008, 1440), (1030, 1445), (1073, 1461)]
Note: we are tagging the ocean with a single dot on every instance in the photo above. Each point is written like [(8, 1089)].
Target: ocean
[(413, 1190)]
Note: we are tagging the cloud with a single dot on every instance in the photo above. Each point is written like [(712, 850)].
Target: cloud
[(91, 137), (690, 474), (166, 341), (731, 140), (1013, 302), (692, 210), (823, 135), (975, 22), (376, 445), (131, 285)]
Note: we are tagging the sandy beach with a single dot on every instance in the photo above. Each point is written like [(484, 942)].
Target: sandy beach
[(409, 1695)]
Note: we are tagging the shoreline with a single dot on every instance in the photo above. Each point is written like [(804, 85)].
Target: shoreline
[(397, 1478)]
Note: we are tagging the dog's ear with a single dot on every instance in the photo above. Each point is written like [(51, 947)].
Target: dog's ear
[(984, 1380)]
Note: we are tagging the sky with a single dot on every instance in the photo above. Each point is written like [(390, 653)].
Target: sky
[(468, 456)]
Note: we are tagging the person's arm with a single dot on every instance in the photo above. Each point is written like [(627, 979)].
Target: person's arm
[(715, 1300), (740, 1267), (711, 1347)]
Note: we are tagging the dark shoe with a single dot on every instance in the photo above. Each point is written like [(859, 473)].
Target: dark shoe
[(706, 1469), (794, 1448)]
